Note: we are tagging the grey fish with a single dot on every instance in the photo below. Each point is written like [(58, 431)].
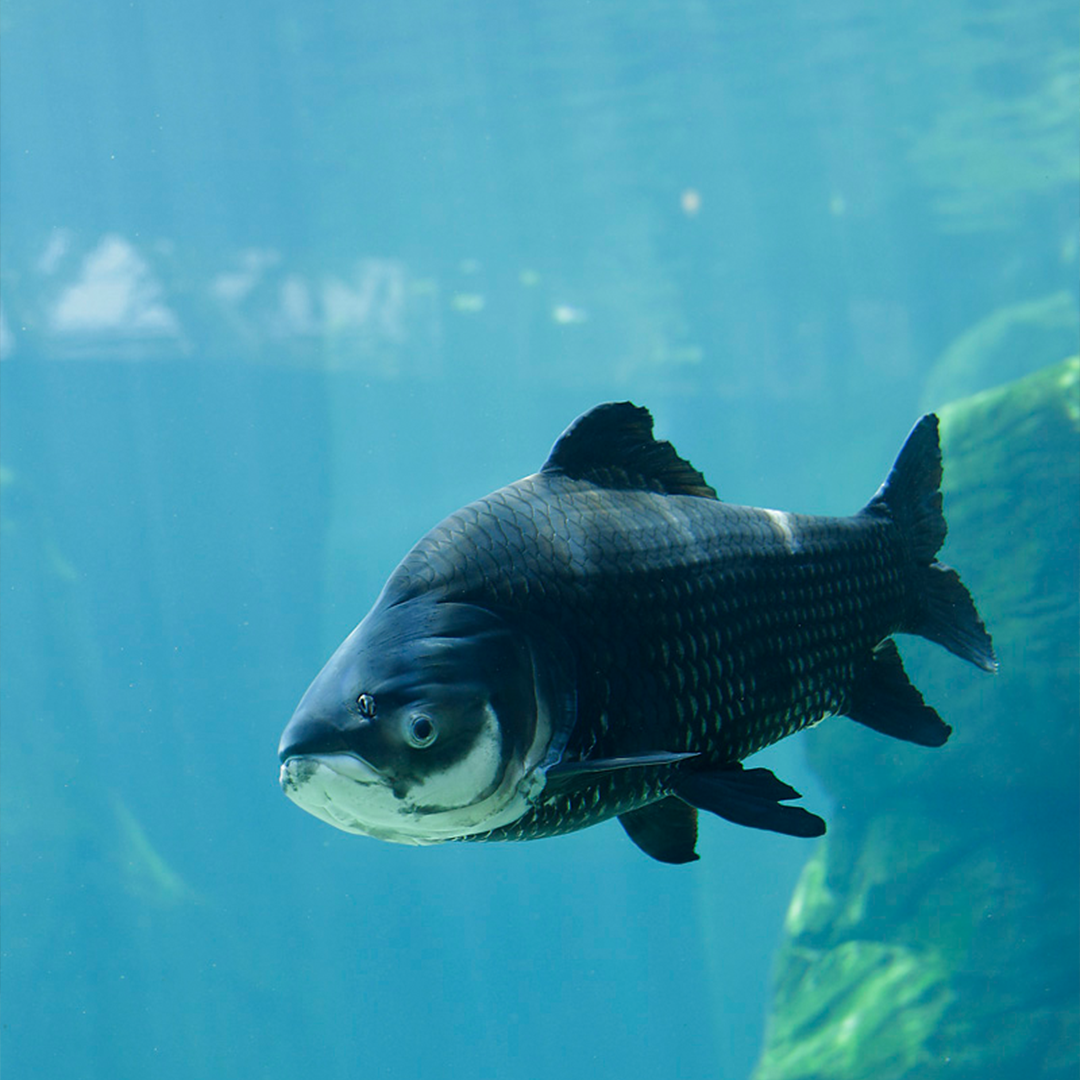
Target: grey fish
[(605, 638)]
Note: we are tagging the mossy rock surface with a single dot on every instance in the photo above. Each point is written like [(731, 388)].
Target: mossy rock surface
[(916, 950), (934, 933), (1010, 343)]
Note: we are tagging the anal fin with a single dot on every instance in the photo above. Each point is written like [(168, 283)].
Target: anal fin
[(750, 797), (665, 830), (884, 699)]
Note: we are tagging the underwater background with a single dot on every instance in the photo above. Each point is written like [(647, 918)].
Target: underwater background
[(281, 285)]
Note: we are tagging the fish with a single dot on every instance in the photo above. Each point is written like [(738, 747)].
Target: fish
[(607, 639)]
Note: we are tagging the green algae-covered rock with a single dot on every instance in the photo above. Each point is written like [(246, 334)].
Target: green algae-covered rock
[(935, 931), (1012, 342), (861, 1009), (915, 953)]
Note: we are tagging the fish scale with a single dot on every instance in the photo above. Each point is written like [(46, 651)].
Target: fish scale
[(606, 638)]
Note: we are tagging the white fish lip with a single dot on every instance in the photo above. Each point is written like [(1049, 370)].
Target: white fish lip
[(298, 769), (328, 787), (349, 793)]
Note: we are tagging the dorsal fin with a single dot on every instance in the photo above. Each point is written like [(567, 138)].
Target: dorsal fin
[(612, 445)]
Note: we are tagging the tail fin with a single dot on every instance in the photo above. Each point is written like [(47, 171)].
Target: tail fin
[(944, 611)]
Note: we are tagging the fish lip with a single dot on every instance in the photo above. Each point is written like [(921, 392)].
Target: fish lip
[(296, 768)]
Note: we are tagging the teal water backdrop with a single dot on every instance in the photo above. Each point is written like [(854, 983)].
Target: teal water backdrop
[(281, 286)]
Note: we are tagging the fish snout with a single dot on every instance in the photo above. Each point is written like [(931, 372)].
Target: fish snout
[(310, 733)]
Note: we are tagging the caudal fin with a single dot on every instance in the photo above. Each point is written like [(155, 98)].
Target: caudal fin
[(911, 496)]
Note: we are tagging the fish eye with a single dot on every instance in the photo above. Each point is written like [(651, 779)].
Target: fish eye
[(366, 704), (421, 733)]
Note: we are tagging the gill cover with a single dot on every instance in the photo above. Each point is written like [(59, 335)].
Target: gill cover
[(433, 720)]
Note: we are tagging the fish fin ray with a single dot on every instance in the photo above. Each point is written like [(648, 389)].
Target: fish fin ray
[(751, 797), (949, 617), (613, 446), (885, 699), (664, 830), (944, 611), (590, 767)]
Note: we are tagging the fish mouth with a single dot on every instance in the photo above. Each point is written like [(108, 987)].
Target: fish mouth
[(330, 786), (349, 793), (298, 769)]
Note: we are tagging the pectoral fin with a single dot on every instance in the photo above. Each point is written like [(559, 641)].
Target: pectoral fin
[(750, 797), (566, 771), (666, 830)]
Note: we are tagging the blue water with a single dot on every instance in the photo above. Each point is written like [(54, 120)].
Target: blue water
[(284, 284)]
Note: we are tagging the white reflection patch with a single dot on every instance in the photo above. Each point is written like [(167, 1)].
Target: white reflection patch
[(782, 521)]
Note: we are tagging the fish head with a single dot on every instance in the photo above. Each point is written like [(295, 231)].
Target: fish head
[(432, 721)]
